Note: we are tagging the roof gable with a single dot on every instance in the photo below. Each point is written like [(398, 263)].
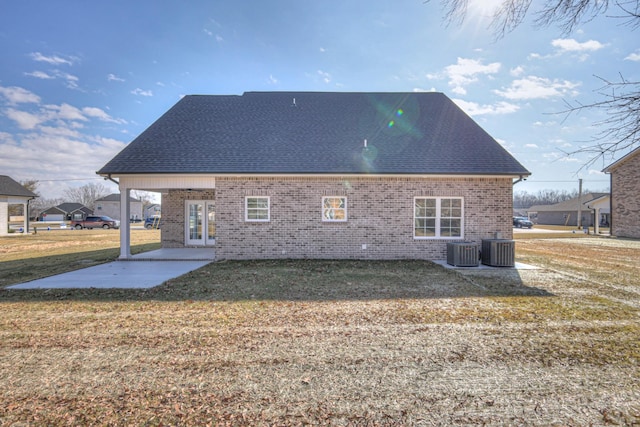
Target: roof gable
[(315, 133), (69, 207)]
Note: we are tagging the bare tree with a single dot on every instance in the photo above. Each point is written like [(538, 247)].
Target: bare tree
[(31, 185), (620, 100), (566, 14), (87, 194)]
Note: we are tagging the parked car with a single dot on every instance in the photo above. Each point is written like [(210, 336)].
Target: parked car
[(152, 222), (522, 222), (96, 222)]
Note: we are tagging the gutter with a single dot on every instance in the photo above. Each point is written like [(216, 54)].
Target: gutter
[(108, 177), (522, 178)]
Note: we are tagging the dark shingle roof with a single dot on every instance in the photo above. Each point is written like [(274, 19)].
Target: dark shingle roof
[(69, 207), (318, 133), (10, 187)]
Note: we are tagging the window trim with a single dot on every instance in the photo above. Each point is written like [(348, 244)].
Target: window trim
[(438, 218), (346, 212), (246, 209)]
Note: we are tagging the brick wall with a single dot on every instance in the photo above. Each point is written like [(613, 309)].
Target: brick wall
[(174, 212), (380, 216), (625, 199)]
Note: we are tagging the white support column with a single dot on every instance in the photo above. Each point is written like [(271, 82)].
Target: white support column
[(125, 225), (4, 216), (596, 221), (25, 210)]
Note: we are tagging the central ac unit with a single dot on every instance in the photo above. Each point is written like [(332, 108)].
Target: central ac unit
[(498, 252), (462, 254)]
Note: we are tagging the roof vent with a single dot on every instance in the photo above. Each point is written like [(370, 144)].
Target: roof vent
[(293, 103)]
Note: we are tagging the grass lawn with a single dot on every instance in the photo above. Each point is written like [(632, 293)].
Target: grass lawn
[(326, 342)]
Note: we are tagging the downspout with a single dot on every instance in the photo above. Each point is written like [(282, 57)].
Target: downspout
[(108, 177), (522, 178)]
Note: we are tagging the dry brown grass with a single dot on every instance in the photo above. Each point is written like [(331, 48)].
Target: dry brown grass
[(29, 257), (337, 343)]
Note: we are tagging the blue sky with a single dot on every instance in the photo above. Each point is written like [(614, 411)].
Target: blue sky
[(79, 80)]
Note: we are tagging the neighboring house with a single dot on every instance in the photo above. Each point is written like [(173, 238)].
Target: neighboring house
[(625, 195), (12, 193), (65, 212), (590, 206), (320, 175), (110, 206), (152, 210)]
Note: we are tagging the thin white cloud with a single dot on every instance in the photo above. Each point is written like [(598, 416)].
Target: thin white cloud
[(100, 114), (140, 92), (517, 71), (23, 119), (40, 75), (475, 109), (466, 71), (114, 78), (572, 45), (326, 77), (531, 145), (64, 112), (72, 81), (17, 95), (58, 129), (533, 87), (53, 60), (633, 57)]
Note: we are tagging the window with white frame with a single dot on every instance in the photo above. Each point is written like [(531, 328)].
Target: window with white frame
[(334, 209), (438, 217), (256, 209)]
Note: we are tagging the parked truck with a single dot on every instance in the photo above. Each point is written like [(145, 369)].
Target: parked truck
[(95, 222)]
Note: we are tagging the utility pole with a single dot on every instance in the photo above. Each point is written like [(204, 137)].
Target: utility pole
[(579, 219)]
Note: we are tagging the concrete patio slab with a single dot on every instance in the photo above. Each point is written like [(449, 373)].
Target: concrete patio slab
[(176, 254), (517, 266), (117, 274)]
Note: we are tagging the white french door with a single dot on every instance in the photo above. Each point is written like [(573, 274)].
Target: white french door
[(200, 224)]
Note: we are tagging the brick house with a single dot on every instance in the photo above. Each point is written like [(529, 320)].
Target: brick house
[(625, 195), (320, 175)]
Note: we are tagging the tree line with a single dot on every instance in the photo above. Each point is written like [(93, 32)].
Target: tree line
[(524, 199)]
